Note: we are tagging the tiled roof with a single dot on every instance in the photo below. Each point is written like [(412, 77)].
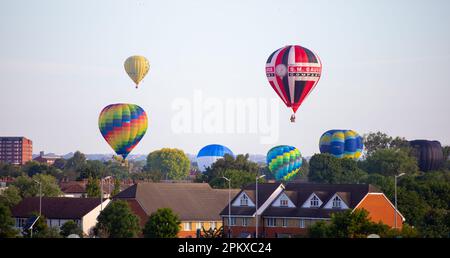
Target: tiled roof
[(56, 207), (191, 201)]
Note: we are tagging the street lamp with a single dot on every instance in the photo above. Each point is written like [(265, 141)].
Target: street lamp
[(40, 196), (229, 204), (256, 213), (395, 190)]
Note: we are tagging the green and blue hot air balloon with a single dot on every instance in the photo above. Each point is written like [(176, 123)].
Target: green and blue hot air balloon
[(284, 161), (341, 144)]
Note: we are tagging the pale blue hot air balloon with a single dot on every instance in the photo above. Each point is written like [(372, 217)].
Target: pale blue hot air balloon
[(209, 154)]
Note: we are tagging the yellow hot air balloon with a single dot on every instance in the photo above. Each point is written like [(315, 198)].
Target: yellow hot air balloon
[(136, 67)]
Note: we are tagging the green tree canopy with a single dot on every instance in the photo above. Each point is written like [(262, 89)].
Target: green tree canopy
[(390, 162), (162, 224), (69, 228), (7, 223), (93, 187), (116, 189), (77, 162), (324, 168), (28, 187), (172, 163), (377, 141), (10, 196), (117, 221)]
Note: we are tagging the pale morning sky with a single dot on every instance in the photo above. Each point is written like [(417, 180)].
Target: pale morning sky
[(386, 66)]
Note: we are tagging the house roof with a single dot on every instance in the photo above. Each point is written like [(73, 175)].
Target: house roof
[(191, 201), (56, 207), (351, 194), (264, 192), (73, 187), (298, 193)]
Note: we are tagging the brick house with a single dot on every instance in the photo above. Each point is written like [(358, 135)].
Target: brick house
[(288, 210), (196, 204)]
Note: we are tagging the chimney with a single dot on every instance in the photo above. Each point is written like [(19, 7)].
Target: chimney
[(41, 153)]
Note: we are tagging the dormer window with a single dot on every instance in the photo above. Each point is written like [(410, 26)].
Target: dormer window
[(284, 202), (337, 203), (244, 200), (314, 201)]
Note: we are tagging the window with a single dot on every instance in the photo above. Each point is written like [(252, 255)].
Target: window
[(233, 221), (213, 224), (314, 201), (244, 200), (198, 225), (20, 222), (271, 222), (187, 226), (337, 202), (284, 201), (244, 222), (284, 223), (302, 223)]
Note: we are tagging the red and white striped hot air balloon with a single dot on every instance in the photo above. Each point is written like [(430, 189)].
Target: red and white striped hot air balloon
[(293, 72)]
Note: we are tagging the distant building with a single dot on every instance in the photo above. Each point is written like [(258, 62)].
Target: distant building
[(77, 189), (58, 210), (196, 204), (288, 211), (15, 150), (47, 159)]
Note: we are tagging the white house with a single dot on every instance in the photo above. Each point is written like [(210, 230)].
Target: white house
[(58, 210)]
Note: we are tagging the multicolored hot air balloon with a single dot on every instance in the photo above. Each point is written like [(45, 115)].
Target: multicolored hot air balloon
[(209, 154), (429, 154), (137, 67), (341, 144), (293, 72), (123, 126), (284, 161)]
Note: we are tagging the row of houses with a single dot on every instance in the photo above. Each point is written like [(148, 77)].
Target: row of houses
[(281, 210)]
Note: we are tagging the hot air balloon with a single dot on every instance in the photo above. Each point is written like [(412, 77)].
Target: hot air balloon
[(429, 154), (122, 126), (284, 161), (209, 154), (341, 144), (136, 67), (293, 72)]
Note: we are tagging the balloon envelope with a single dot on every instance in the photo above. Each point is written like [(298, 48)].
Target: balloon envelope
[(429, 154), (123, 126), (342, 144), (284, 162), (209, 154), (137, 67), (293, 72)]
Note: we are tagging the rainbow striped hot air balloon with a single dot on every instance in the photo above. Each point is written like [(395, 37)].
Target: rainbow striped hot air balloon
[(123, 126), (284, 161), (341, 144)]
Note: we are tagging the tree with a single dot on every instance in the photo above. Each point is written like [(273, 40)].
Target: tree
[(10, 196), (172, 163), (116, 189), (385, 184), (378, 141), (29, 188), (390, 162), (436, 223), (348, 224), (92, 168), (212, 232), (60, 163), (93, 187), (162, 224), (117, 221), (9, 170), (7, 223), (69, 228), (240, 170), (324, 168), (77, 162)]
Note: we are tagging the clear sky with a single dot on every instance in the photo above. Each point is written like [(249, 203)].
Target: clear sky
[(386, 66)]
